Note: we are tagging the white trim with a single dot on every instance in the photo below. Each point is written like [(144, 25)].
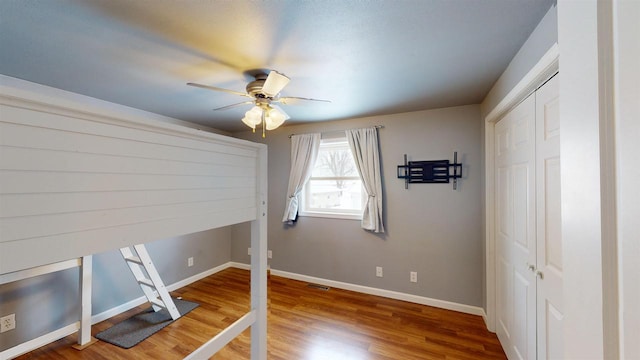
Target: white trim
[(490, 274), (258, 273), (107, 314), (39, 270), (43, 340), (626, 91), (468, 309), (239, 265), (196, 277), (544, 69), (332, 215), (86, 284), (484, 317)]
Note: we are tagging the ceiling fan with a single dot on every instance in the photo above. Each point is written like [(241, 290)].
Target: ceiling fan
[(264, 92)]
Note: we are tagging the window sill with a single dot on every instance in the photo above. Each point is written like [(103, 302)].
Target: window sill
[(330, 215)]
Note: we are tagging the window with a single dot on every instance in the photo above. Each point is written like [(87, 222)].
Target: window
[(334, 189)]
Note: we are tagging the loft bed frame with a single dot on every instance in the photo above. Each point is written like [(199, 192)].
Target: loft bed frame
[(79, 176)]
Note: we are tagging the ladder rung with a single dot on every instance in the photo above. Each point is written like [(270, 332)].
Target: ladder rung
[(158, 302), (133, 259), (148, 278), (147, 282)]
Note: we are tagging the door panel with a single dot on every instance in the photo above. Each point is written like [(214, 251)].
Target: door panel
[(515, 224), (528, 243), (505, 279), (552, 236), (548, 234), (553, 332), (524, 292), (521, 215), (504, 299)]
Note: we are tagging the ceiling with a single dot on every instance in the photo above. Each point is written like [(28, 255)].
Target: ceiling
[(368, 57)]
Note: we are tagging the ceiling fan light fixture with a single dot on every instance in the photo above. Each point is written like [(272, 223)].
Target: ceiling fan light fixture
[(253, 117), (274, 118), (264, 91)]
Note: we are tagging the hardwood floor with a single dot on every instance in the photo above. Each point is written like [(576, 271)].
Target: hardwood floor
[(304, 323)]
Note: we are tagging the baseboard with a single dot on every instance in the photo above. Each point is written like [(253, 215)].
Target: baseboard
[(468, 309), (239, 265), (200, 276), (485, 318), (141, 300), (40, 341)]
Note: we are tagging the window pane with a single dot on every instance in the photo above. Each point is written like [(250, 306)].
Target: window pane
[(345, 195), (334, 160), (335, 189)]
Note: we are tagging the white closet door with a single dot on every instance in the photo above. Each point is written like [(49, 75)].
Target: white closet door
[(515, 229), (549, 239)]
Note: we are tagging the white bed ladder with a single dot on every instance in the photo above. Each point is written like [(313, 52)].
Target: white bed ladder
[(138, 259)]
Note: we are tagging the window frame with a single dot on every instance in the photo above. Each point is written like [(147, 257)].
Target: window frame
[(331, 213)]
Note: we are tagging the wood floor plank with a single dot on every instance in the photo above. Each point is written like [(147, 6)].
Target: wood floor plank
[(304, 323)]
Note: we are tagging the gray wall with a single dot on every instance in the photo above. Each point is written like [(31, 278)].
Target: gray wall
[(431, 229), (49, 302), (540, 40)]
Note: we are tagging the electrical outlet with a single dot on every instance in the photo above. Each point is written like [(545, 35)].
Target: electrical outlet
[(269, 254), (379, 271), (413, 276), (190, 262), (249, 252), (7, 323)]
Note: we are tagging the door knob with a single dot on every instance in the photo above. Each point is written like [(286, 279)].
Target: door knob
[(540, 275), (531, 267)]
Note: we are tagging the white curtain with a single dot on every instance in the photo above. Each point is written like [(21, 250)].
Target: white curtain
[(364, 146), (304, 151)]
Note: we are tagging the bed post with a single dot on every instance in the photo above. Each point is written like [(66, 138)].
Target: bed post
[(259, 263), (86, 277)]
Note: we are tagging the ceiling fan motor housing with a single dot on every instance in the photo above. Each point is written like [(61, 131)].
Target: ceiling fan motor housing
[(254, 88)]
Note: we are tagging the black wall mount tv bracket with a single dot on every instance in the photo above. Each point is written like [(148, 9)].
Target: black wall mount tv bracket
[(430, 172)]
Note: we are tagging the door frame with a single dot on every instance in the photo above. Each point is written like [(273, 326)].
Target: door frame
[(543, 70)]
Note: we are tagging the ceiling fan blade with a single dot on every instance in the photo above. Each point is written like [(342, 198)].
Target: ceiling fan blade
[(293, 100), (234, 105), (218, 89), (274, 84)]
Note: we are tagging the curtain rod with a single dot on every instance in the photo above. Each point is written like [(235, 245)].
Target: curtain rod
[(375, 126)]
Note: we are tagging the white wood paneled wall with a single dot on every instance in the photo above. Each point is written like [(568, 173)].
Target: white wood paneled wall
[(75, 182)]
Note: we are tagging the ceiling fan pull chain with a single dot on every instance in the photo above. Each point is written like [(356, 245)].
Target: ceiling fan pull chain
[(264, 122)]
